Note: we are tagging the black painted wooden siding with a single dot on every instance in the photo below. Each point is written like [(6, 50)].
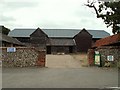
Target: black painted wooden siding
[(23, 39), (60, 49), (83, 41), (38, 38)]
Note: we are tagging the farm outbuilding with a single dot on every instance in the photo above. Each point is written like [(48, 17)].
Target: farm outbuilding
[(59, 40), (6, 41), (109, 50), (61, 45)]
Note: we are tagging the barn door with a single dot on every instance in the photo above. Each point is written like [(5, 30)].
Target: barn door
[(48, 49), (70, 49)]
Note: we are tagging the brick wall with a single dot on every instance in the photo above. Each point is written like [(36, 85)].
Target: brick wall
[(41, 58), (91, 57), (23, 57)]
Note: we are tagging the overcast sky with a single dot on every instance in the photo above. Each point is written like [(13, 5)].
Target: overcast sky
[(49, 14)]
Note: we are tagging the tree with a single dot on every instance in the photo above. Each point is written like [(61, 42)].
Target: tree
[(4, 30), (109, 12)]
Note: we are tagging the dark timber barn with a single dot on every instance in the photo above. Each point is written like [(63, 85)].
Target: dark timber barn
[(59, 40), (6, 41)]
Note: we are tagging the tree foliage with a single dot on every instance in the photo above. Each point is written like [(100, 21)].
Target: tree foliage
[(109, 12)]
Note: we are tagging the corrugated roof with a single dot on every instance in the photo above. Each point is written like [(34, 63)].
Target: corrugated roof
[(9, 39), (68, 33), (98, 33), (61, 42), (61, 32), (21, 32), (73, 32)]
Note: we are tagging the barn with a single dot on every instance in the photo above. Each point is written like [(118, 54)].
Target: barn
[(6, 41), (59, 40), (109, 50)]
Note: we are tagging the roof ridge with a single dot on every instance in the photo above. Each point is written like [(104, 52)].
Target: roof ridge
[(57, 29), (24, 28), (61, 29)]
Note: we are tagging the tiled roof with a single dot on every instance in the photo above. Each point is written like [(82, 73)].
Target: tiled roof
[(68, 33), (108, 40)]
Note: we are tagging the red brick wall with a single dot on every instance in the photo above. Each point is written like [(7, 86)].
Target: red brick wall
[(91, 57), (41, 58)]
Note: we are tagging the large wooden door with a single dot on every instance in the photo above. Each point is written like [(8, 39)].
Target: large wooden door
[(48, 49), (70, 49)]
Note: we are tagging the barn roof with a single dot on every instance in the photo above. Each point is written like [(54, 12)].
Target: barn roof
[(21, 32), (108, 40), (9, 39), (73, 32), (68, 33), (98, 33), (61, 42)]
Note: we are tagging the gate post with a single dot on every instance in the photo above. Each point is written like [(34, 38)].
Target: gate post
[(91, 57), (41, 58)]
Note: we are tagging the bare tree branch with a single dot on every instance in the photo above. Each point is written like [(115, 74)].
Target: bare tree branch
[(91, 5)]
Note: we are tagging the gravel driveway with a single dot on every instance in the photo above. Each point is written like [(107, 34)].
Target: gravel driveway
[(62, 61)]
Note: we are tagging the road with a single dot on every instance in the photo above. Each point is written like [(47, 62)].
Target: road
[(59, 77)]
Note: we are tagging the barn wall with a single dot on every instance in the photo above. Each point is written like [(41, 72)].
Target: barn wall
[(94, 40), (60, 49), (38, 39), (83, 41), (57, 49), (25, 40), (6, 44)]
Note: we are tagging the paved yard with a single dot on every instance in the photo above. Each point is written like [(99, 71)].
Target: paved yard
[(59, 77), (62, 61)]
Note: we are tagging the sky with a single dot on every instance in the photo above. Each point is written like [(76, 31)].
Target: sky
[(61, 14)]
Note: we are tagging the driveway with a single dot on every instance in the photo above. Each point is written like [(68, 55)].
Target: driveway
[(62, 61)]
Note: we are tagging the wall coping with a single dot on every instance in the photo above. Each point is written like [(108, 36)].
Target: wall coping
[(109, 47), (23, 48)]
